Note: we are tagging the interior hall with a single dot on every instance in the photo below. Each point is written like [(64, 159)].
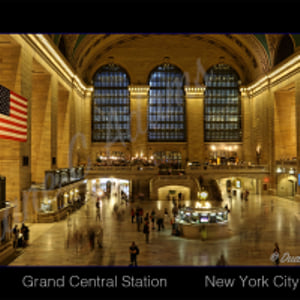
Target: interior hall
[(199, 131)]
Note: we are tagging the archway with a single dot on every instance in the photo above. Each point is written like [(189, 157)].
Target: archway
[(169, 191), (237, 184), (287, 186)]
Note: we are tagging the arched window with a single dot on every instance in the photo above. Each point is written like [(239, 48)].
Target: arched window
[(111, 105), (166, 106), (284, 49), (222, 105)]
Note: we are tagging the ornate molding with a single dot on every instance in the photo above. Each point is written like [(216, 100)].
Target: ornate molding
[(194, 91), (139, 90)]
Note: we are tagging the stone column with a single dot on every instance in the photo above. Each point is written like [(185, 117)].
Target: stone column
[(25, 173), (63, 127), (270, 107), (138, 112), (248, 148), (195, 122), (40, 126), (297, 111)]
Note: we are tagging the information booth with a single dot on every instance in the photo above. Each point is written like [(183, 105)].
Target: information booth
[(203, 221)]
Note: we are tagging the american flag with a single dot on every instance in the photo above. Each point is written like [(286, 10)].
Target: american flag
[(13, 115)]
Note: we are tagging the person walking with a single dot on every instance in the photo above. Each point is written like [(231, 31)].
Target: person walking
[(16, 234), (134, 252), (221, 261), (146, 217), (137, 219), (100, 237), (141, 215), (98, 213), (153, 219), (146, 231), (91, 235)]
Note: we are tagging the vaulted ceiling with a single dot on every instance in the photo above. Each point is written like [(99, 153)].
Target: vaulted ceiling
[(251, 55)]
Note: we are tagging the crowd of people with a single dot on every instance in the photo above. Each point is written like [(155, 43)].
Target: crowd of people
[(153, 221), (146, 221), (20, 236)]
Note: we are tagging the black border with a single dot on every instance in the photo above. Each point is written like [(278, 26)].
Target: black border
[(182, 283), (157, 17)]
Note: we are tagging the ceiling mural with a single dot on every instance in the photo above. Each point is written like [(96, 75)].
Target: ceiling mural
[(252, 55)]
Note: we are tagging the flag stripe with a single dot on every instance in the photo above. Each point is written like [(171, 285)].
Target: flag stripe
[(11, 124), (8, 137), (11, 121), (15, 115), (21, 111), (13, 129), (19, 136), (18, 105), (18, 97)]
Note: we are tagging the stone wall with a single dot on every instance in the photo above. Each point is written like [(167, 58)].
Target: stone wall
[(59, 115), (55, 117)]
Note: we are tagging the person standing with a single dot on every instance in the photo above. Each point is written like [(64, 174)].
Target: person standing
[(160, 222), (203, 233), (25, 232), (146, 231), (132, 215), (179, 196), (134, 252), (276, 254)]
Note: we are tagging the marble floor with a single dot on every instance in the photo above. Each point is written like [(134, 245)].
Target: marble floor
[(254, 226)]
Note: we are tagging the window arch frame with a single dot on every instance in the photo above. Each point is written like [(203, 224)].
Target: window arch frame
[(113, 104), (168, 158), (163, 115), (222, 107)]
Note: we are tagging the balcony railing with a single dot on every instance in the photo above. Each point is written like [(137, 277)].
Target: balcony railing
[(121, 169), (229, 168), (292, 162), (177, 172)]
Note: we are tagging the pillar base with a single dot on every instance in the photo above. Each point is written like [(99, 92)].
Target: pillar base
[(272, 192), (6, 252), (297, 197)]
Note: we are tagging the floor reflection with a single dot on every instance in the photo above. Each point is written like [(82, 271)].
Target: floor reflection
[(255, 226)]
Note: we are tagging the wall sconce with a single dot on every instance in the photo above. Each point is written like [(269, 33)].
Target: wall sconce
[(291, 171), (258, 153), (258, 149)]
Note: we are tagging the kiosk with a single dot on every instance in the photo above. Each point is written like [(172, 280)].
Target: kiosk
[(203, 221)]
